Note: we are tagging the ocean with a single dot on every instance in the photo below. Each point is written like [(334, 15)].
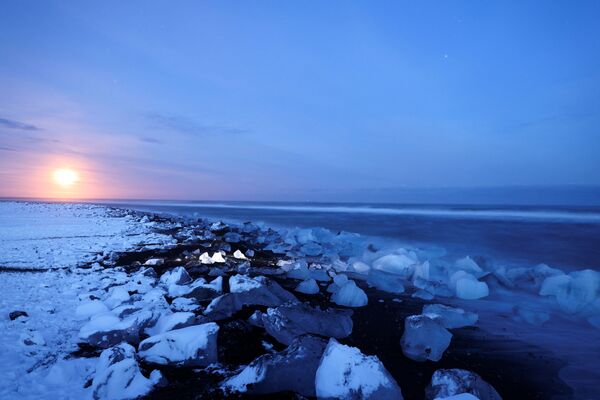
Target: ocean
[(559, 236)]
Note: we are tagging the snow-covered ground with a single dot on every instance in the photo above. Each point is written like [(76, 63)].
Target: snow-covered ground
[(53, 238), (50, 235)]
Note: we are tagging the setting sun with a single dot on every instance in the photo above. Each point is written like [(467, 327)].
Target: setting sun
[(65, 177)]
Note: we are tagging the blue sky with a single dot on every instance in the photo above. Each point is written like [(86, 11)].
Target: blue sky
[(298, 100)]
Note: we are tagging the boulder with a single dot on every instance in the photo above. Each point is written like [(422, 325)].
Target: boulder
[(118, 375), (292, 369), (289, 321), (194, 346)]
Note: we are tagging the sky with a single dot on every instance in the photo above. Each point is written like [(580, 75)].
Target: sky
[(297, 100)]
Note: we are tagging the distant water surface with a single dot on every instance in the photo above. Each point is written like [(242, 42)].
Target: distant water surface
[(563, 237)]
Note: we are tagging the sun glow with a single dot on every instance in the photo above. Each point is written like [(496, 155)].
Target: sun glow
[(65, 177)]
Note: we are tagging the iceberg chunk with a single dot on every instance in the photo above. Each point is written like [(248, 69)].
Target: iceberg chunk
[(424, 338), (399, 264), (346, 373), (308, 286), (450, 317), (350, 295), (453, 382)]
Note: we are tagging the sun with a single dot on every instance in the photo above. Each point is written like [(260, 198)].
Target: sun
[(65, 177)]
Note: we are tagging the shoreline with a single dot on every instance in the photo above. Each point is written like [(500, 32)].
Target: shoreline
[(377, 326)]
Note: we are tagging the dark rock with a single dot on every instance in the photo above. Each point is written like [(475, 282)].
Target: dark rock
[(16, 314), (292, 320), (292, 369)]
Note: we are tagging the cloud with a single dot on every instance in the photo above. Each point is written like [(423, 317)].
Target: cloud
[(148, 139), (190, 127), (22, 126)]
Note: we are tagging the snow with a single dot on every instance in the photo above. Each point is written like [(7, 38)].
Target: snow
[(206, 259), (192, 346), (89, 309), (54, 235), (242, 283), (154, 262), (118, 375), (346, 373)]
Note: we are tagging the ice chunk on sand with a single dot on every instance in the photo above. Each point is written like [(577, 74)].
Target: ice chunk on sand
[(424, 338), (239, 255), (350, 295), (292, 370), (118, 375), (206, 259), (469, 288), (573, 292), (286, 322), (530, 315), (467, 264), (154, 262), (525, 278), (192, 346), (450, 317), (346, 373), (452, 382), (399, 264), (218, 257), (386, 282), (308, 286)]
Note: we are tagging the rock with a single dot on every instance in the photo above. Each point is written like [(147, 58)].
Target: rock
[(117, 296), (242, 283), (450, 317), (290, 370), (194, 346), (268, 293), (118, 375), (451, 382), (289, 321), (350, 295), (176, 276), (308, 286), (106, 330), (232, 237), (16, 314), (424, 338), (184, 304), (168, 322), (202, 291), (345, 373)]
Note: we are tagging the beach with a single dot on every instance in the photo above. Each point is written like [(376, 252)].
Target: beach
[(92, 277)]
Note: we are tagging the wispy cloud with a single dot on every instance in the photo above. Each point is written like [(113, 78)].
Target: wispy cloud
[(189, 126), (148, 139), (22, 126)]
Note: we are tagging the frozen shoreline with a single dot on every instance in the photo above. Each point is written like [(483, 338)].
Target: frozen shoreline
[(57, 293)]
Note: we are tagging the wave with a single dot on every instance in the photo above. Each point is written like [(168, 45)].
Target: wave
[(496, 214)]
